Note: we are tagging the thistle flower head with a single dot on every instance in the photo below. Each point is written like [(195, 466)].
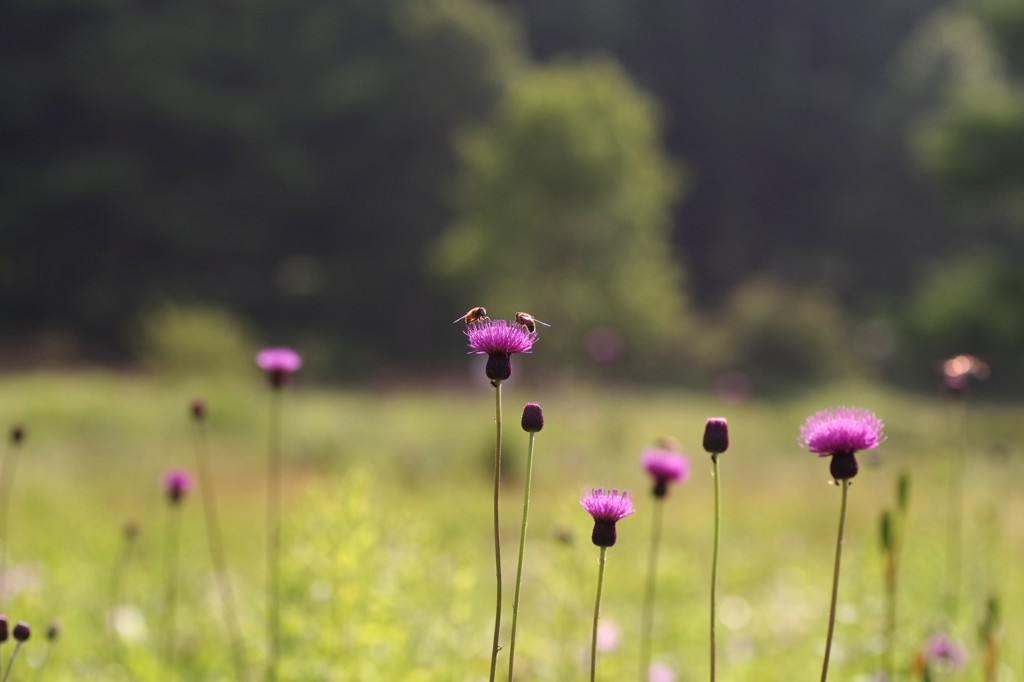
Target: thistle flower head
[(607, 507), (22, 632), (945, 651), (279, 364), (842, 430), (665, 466), (499, 340), (499, 337), (198, 409), (839, 433), (53, 630), (5, 629), (176, 484)]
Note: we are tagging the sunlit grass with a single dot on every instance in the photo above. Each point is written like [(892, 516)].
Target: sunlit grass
[(387, 529)]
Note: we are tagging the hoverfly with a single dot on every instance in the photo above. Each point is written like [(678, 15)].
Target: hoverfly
[(478, 314), (529, 321)]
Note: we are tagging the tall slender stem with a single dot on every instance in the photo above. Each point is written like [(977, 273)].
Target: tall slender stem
[(216, 546), (10, 461), (714, 561), (172, 541), (117, 586), (597, 616), (647, 620), (274, 535), (10, 662), (522, 551), (497, 531), (835, 581), (956, 508)]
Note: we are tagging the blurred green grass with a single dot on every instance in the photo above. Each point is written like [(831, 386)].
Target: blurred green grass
[(389, 575)]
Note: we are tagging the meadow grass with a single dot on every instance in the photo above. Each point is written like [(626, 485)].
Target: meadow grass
[(388, 564)]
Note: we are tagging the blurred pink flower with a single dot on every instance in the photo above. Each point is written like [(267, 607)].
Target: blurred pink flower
[(279, 364)]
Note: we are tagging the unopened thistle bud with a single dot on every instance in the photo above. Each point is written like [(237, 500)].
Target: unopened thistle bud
[(17, 433), (198, 409), (716, 435), (130, 530), (53, 631), (5, 630), (22, 632), (533, 418)]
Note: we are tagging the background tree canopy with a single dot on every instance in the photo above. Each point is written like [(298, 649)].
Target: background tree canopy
[(564, 203), (350, 176)]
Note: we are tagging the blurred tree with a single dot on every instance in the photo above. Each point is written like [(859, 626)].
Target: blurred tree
[(286, 160), (779, 335), (970, 305), (564, 205), (974, 144), (789, 120)]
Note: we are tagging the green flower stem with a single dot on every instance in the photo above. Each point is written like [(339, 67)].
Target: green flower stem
[(117, 588), (835, 581), (647, 623), (7, 672), (714, 562), (497, 532), (597, 616), (216, 546), (522, 550), (10, 462), (172, 542), (274, 535), (956, 509)]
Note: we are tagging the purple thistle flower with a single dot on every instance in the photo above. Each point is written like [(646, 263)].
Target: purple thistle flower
[(665, 467), (499, 340), (279, 364), (176, 484), (607, 507), (5, 631), (946, 651), (839, 433)]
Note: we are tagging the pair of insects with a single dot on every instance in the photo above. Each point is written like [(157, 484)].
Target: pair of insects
[(479, 314)]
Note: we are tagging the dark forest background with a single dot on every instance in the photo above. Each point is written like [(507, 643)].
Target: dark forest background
[(781, 192)]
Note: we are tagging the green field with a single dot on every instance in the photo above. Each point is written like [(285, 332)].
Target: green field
[(388, 567)]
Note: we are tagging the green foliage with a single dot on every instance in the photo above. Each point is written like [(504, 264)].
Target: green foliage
[(970, 305), (974, 144), (286, 161), (1004, 21), (779, 334), (978, 147), (183, 340), (564, 204)]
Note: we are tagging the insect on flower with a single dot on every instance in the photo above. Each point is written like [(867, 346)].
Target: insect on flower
[(529, 321), (478, 314)]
